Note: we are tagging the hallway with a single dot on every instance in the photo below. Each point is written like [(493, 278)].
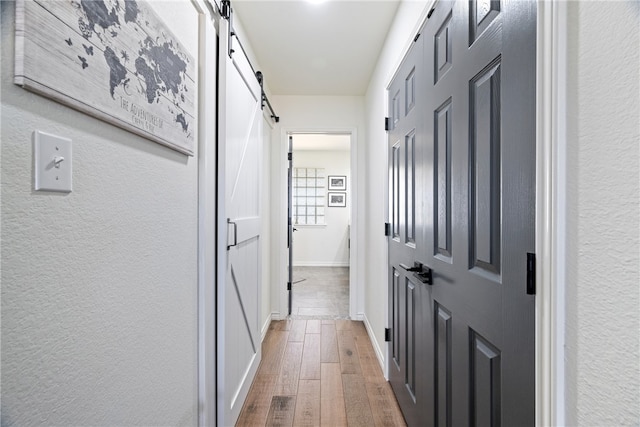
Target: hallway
[(141, 295), (319, 372)]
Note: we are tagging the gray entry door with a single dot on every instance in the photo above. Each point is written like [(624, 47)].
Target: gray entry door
[(407, 295), (478, 193)]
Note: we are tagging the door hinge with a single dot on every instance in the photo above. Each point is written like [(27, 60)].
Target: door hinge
[(531, 273), (415, 39), (433, 9), (387, 123), (289, 156), (387, 229), (387, 334), (288, 286)]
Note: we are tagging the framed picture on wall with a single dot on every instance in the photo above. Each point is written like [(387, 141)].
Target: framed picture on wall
[(118, 62), (337, 182), (337, 200)]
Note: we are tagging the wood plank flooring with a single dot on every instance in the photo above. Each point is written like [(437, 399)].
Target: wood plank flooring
[(319, 373)]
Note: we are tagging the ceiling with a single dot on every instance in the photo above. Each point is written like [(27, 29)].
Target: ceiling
[(320, 48), (321, 142)]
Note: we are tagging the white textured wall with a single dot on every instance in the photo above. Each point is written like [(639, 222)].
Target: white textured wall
[(99, 286), (401, 33), (326, 245), (603, 283)]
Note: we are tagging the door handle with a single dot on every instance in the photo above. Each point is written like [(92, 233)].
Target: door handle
[(416, 267), (425, 276), (421, 272), (235, 233)]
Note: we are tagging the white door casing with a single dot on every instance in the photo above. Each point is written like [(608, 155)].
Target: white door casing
[(207, 218), (356, 261)]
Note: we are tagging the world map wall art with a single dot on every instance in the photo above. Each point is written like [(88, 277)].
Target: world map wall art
[(112, 59)]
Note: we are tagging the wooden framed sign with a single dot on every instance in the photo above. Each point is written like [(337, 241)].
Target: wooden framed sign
[(114, 60)]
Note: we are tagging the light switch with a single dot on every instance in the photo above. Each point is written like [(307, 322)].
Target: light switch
[(52, 162)]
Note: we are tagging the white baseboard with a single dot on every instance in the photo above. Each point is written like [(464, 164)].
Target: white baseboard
[(277, 316), (265, 327), (321, 264), (374, 343)]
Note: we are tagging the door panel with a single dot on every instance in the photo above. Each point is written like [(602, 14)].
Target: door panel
[(484, 165), (239, 156), (395, 191), (442, 181), (472, 147), (442, 368), (407, 294), (484, 382), (395, 314), (409, 189), (410, 328)]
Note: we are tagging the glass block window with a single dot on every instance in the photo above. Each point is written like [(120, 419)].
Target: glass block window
[(308, 196)]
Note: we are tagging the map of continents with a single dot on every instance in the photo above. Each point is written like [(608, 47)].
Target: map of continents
[(158, 65)]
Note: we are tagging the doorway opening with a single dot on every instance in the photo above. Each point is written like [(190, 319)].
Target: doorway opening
[(320, 225)]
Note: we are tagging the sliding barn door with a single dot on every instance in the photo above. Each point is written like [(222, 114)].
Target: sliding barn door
[(478, 194), (239, 264)]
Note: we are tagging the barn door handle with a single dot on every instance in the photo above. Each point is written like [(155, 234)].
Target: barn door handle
[(235, 233), (421, 272)]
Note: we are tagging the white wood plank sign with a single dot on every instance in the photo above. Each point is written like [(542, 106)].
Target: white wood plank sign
[(113, 59)]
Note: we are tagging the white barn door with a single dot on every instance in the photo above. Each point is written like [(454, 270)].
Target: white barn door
[(239, 254)]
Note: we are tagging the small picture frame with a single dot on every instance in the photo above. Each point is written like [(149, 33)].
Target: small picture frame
[(337, 200), (337, 183)]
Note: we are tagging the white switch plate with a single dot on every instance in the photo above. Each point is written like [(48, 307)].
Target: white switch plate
[(49, 150)]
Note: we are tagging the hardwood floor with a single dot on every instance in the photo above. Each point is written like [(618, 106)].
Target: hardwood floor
[(319, 373)]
